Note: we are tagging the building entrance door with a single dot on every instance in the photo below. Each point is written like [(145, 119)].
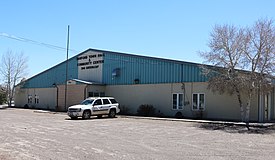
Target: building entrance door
[(265, 107)]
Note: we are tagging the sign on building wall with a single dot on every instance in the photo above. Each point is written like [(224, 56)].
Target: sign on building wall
[(90, 66)]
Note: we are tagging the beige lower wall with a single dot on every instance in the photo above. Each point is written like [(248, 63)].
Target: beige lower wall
[(160, 96), (47, 98), (132, 96)]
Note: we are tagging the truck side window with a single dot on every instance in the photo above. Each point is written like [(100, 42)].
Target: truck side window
[(113, 101), (98, 102), (106, 101)]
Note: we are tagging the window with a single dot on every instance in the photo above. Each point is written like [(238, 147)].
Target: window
[(87, 102), (106, 101), (177, 101), (96, 94), (113, 101), (98, 102), (36, 99), (198, 101), (90, 94), (102, 94), (29, 98)]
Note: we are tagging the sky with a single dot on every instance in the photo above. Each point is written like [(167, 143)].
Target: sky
[(173, 29)]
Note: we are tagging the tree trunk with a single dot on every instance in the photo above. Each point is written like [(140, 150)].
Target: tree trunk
[(241, 105), (248, 106)]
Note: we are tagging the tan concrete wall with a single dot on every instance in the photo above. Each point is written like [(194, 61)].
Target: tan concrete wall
[(47, 98), (20, 97), (160, 96), (75, 94), (132, 96)]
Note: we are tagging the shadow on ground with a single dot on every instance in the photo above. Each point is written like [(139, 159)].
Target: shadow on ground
[(238, 129), (3, 107), (92, 118)]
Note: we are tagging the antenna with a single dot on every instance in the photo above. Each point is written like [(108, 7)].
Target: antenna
[(66, 86)]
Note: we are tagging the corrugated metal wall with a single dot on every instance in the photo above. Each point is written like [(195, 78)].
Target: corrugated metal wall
[(148, 70), (53, 75)]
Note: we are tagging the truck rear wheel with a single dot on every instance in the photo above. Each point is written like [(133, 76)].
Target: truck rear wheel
[(112, 113)]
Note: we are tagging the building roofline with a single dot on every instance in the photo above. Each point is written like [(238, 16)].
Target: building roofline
[(142, 56), (55, 65), (117, 53)]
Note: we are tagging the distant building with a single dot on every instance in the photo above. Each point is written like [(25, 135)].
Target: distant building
[(170, 86)]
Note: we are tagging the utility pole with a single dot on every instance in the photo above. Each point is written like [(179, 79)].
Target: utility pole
[(66, 85)]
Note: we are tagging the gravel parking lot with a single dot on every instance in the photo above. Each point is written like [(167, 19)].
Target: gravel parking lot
[(25, 134)]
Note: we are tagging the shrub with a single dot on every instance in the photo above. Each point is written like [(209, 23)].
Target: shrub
[(2, 98), (26, 106), (146, 110), (178, 115)]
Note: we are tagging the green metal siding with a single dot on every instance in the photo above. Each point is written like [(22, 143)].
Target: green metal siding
[(56, 74), (148, 70)]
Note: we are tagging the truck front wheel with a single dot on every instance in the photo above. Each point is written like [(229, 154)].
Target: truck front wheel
[(86, 115)]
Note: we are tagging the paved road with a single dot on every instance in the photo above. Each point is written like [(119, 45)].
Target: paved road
[(26, 135)]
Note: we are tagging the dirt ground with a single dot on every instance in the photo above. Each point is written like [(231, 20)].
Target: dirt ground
[(25, 134)]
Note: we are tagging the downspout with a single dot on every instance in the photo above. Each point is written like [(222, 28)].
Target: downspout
[(259, 103), (57, 91), (85, 91), (181, 78)]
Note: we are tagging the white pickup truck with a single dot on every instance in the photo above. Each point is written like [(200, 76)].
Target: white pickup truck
[(94, 106)]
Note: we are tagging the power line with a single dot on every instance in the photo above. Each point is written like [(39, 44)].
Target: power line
[(26, 40)]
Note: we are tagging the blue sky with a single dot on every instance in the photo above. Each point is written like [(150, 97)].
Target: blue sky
[(174, 29)]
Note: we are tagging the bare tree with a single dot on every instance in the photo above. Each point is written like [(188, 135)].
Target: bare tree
[(244, 61), (259, 56), (227, 49), (12, 69)]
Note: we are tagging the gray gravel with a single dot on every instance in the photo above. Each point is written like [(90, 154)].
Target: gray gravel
[(25, 134)]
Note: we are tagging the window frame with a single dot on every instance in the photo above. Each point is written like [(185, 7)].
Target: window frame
[(198, 99), (177, 105)]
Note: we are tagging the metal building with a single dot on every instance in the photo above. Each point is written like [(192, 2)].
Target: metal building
[(170, 86)]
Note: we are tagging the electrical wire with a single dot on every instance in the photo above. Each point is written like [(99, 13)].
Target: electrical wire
[(26, 40)]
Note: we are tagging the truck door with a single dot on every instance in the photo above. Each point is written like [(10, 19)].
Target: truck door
[(97, 107), (106, 105)]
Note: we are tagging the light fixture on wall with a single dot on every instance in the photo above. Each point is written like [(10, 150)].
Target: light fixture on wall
[(136, 81), (116, 72)]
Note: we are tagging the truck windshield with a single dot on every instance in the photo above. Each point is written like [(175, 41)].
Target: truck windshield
[(88, 101)]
